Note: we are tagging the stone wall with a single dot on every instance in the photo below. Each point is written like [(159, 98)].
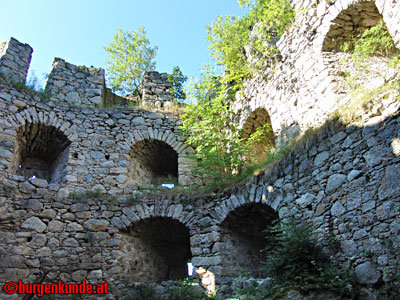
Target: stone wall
[(304, 88), (343, 181), (99, 142), (156, 90), (87, 218), (77, 85), (15, 58)]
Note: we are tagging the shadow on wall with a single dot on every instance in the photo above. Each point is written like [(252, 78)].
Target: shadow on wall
[(258, 119), (41, 151), (151, 161), (156, 249), (243, 239)]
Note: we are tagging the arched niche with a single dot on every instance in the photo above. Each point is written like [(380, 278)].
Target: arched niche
[(41, 151), (257, 119), (243, 239), (156, 249), (350, 24), (151, 161)]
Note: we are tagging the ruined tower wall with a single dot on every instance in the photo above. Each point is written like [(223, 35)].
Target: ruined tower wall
[(303, 89), (15, 58)]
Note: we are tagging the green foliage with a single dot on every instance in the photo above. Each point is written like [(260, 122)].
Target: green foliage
[(32, 87), (294, 259), (177, 79), (221, 153), (230, 35), (180, 290), (130, 56), (185, 290), (373, 41)]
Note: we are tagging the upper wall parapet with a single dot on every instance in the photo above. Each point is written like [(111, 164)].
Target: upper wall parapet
[(156, 89), (15, 58), (78, 85)]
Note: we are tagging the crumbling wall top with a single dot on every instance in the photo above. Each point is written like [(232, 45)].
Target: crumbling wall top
[(15, 58)]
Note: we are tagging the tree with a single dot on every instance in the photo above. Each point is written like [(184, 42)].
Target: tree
[(220, 151), (130, 57), (177, 79), (232, 39)]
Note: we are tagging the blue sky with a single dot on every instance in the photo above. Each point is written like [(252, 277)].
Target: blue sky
[(77, 30)]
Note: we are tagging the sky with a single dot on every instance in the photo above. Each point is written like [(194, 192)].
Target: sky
[(78, 30)]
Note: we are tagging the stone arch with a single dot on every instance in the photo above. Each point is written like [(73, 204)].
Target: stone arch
[(151, 161), (157, 153), (348, 23), (41, 146), (155, 249), (258, 118), (243, 238)]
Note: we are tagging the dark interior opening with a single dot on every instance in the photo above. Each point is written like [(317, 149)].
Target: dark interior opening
[(151, 161), (244, 229), (256, 120), (164, 245), (42, 151)]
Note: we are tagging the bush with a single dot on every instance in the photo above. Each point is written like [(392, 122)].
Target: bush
[(295, 259)]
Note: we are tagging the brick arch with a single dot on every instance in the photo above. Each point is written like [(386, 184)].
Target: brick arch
[(160, 208), (163, 135), (155, 240), (171, 141), (244, 226), (259, 117), (40, 145), (343, 13)]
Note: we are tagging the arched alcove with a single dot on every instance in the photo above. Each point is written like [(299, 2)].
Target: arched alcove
[(150, 161), (41, 151), (350, 24), (257, 119), (243, 239), (156, 249)]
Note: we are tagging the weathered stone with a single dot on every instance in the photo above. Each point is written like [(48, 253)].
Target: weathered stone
[(74, 227), (366, 273), (94, 275), (96, 225), (334, 182), (48, 213), (32, 204), (79, 207), (337, 209), (390, 186), (305, 200), (321, 158), (55, 226), (40, 183), (38, 241), (34, 223), (70, 242), (26, 187)]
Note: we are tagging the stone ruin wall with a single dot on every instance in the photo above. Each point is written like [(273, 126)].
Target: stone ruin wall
[(156, 89), (344, 181), (15, 58), (303, 90)]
